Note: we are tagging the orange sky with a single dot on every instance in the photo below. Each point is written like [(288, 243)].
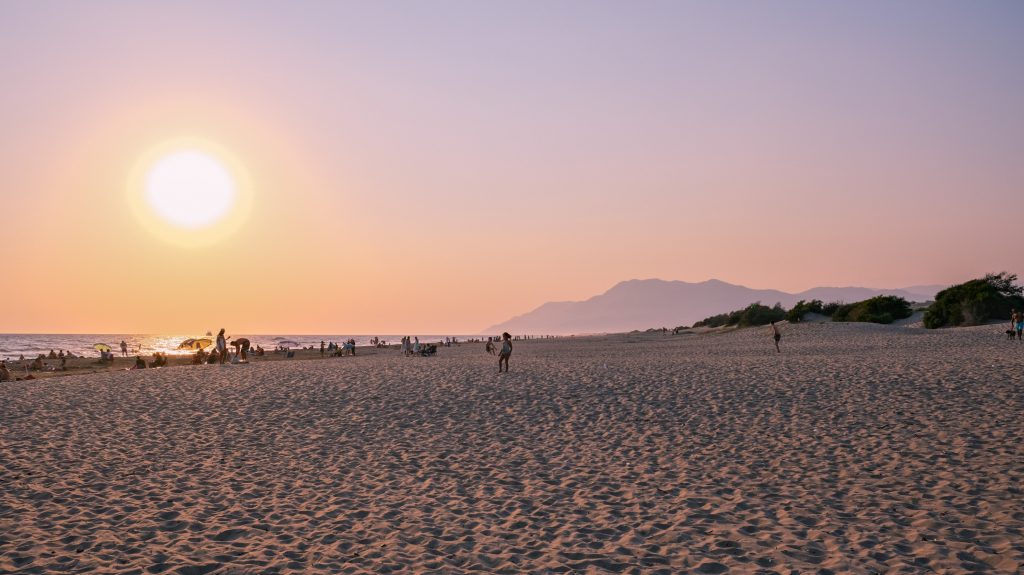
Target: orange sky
[(438, 171)]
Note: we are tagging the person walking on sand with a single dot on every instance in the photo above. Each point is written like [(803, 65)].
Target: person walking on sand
[(777, 336), (124, 349), (506, 351), (222, 346), (322, 348)]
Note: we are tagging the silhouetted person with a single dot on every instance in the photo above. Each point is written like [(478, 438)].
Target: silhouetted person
[(222, 346), (241, 346), (777, 336), (506, 351)]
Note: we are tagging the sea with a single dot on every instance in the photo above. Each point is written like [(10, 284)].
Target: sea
[(31, 345)]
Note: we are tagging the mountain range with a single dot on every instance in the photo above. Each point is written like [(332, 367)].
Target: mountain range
[(642, 304)]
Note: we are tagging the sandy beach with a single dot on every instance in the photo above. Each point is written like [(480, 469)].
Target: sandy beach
[(859, 449)]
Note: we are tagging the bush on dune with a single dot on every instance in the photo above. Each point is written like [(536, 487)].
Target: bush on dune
[(976, 301), (879, 309), (753, 315)]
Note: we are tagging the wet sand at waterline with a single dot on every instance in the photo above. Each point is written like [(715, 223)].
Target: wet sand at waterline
[(858, 449)]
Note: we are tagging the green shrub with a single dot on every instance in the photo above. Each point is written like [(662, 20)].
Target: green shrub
[(830, 308), (803, 308), (975, 302), (752, 315), (879, 309)]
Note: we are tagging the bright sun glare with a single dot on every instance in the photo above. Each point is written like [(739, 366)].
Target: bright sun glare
[(190, 189)]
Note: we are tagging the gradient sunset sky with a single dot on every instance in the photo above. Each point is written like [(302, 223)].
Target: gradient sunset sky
[(437, 167)]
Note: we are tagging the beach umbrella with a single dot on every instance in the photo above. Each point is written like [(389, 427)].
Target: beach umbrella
[(101, 347), (195, 344)]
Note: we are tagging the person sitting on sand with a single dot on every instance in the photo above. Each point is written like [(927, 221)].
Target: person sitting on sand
[(506, 351), (213, 359), (139, 363), (37, 363), (777, 336), (60, 354), (241, 346), (52, 355), (5, 374), (489, 348)]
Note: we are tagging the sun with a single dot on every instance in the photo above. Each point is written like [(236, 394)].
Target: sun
[(190, 189), (189, 192)]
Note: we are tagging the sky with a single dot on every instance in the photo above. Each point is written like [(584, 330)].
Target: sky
[(438, 167)]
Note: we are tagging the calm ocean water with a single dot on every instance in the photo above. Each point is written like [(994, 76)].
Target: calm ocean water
[(31, 345)]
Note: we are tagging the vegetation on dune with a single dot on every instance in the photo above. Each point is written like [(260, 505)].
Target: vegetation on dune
[(879, 309), (803, 308), (969, 303), (753, 315), (976, 301)]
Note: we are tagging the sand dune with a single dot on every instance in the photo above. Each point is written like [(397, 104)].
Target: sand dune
[(859, 449)]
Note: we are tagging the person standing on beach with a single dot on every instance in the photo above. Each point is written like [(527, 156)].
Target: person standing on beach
[(506, 351), (124, 349), (777, 336), (321, 348), (1017, 322), (222, 346)]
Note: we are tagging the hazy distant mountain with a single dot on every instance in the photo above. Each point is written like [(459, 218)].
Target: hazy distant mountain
[(640, 304)]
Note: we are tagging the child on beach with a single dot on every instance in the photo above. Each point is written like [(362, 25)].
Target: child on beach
[(777, 336), (506, 351)]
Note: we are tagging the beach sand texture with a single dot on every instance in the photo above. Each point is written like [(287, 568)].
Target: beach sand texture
[(858, 449)]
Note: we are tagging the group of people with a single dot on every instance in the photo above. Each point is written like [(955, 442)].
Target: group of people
[(37, 364), (410, 346), (242, 347), (159, 360), (338, 350)]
